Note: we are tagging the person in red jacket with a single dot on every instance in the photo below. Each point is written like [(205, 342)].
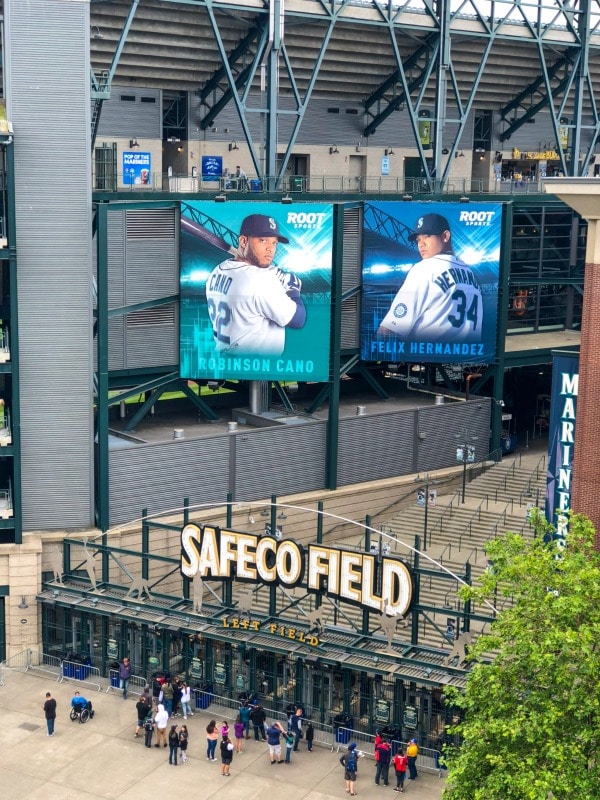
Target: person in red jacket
[(400, 762), (383, 755)]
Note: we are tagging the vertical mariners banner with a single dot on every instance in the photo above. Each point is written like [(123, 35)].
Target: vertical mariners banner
[(430, 282), (255, 290), (561, 441)]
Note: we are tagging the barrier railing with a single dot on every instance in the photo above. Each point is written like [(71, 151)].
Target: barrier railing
[(16, 663), (82, 673), (40, 662), (135, 686)]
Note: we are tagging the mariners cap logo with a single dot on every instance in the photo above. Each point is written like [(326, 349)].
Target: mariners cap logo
[(429, 225), (262, 225)]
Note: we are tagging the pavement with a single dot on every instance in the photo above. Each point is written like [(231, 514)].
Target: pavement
[(102, 759)]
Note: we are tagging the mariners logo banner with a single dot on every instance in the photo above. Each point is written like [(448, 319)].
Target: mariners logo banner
[(255, 288), (430, 282)]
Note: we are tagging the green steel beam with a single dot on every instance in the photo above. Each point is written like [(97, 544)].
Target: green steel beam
[(142, 388), (333, 417), (141, 412), (203, 407)]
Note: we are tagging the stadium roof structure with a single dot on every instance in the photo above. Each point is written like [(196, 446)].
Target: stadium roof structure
[(435, 59)]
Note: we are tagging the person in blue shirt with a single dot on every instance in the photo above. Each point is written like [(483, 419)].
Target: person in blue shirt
[(80, 702)]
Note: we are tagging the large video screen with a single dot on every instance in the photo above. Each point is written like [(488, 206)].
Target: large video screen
[(255, 286), (430, 282)]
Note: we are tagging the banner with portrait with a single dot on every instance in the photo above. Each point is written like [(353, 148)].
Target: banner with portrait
[(430, 282), (255, 290)]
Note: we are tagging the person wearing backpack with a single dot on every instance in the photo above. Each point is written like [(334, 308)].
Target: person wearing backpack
[(148, 730), (400, 765), (349, 760)]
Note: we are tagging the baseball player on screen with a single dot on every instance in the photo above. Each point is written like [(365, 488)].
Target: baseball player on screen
[(250, 301), (440, 300)]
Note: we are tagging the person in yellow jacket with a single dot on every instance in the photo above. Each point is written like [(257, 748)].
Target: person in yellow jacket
[(412, 751)]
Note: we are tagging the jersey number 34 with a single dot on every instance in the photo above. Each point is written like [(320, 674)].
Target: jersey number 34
[(464, 314)]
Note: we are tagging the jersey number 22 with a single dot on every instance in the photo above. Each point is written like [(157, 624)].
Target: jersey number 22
[(220, 316)]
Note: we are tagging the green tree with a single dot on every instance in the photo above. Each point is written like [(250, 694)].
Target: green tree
[(531, 707)]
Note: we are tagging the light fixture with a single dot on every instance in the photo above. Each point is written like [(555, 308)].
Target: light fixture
[(283, 515), (95, 32), (459, 154), (233, 145), (479, 150), (220, 198), (389, 151), (358, 147), (250, 519), (180, 149), (464, 199), (445, 151), (173, 139), (134, 143), (265, 512), (407, 197), (214, 130), (94, 601), (333, 149), (286, 200), (23, 604)]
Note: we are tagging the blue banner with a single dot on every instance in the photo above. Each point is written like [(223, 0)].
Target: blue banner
[(255, 290), (430, 282), (212, 168), (136, 168), (561, 441)]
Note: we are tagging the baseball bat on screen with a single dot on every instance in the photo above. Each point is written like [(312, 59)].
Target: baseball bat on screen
[(207, 236)]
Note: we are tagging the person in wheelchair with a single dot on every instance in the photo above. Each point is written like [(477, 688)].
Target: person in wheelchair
[(79, 703)]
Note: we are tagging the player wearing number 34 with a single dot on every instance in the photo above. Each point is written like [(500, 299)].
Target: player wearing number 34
[(250, 301), (440, 300)]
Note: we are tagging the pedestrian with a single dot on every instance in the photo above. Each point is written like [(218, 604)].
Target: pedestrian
[(186, 694), (238, 732), (142, 710), (226, 755), (258, 717), (173, 745), (124, 676), (383, 756), (289, 743), (245, 717), (183, 742), (225, 730), (147, 697), (274, 732), (50, 713), (148, 730), (349, 760), (412, 751), (296, 728), (212, 736), (176, 696), (161, 720), (310, 735), (400, 764), (166, 696)]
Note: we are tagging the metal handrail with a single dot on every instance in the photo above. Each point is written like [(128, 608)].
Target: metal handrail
[(313, 184)]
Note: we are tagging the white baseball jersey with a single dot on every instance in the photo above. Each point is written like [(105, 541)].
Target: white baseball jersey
[(440, 300), (248, 308)]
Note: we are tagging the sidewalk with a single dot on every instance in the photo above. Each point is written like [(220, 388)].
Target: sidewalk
[(102, 759)]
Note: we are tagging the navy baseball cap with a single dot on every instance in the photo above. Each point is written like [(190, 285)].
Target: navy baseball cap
[(431, 225), (261, 225)]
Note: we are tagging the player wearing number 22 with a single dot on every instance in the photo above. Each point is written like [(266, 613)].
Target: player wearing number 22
[(440, 300), (250, 301)]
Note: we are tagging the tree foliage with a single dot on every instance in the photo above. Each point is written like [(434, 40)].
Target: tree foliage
[(531, 728)]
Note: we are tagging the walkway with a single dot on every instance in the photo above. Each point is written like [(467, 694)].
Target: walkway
[(102, 759)]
